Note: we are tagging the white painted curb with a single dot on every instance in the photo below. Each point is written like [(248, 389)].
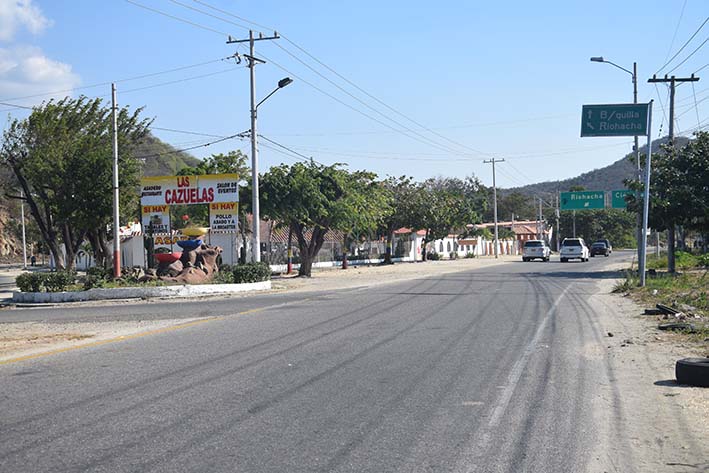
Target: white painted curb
[(98, 294)]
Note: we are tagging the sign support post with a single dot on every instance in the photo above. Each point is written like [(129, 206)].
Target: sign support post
[(646, 199)]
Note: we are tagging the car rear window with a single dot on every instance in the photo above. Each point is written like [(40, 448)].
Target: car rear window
[(571, 242), (529, 244), (599, 244)]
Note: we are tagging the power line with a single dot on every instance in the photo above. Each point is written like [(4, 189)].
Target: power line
[(674, 36), (101, 84), (683, 46), (154, 155), (173, 130), (690, 55), (196, 25), (333, 83)]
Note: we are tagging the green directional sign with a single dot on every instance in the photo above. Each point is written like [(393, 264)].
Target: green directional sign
[(582, 200), (624, 119), (618, 198)]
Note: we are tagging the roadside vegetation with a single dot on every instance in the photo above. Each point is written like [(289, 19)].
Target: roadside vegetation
[(686, 291)]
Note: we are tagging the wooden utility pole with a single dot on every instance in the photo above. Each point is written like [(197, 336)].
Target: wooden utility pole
[(494, 198)]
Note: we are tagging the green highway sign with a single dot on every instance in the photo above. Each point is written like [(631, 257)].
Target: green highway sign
[(624, 119), (618, 198), (583, 200)]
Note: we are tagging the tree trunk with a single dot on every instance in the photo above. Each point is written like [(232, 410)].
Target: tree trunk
[(671, 248), (390, 242), (56, 252), (100, 248), (308, 250)]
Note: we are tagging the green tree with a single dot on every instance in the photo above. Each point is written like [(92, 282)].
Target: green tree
[(679, 190), (400, 192), (313, 199), (445, 205), (61, 157)]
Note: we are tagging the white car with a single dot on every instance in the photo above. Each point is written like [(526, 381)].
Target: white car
[(535, 249), (573, 248)]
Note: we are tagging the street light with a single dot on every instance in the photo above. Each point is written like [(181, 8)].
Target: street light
[(256, 228), (634, 75)]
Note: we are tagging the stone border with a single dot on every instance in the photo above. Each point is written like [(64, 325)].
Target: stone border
[(98, 294)]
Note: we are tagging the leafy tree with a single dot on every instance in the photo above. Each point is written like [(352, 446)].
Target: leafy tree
[(314, 199), (401, 194), (61, 157), (679, 190), (516, 203), (445, 205)]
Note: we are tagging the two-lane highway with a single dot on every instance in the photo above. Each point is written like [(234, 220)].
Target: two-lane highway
[(495, 370)]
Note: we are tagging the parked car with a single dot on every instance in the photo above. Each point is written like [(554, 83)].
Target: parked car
[(599, 248), (535, 249), (607, 242), (573, 248)]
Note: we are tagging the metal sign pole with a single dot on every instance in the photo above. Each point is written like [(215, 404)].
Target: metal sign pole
[(646, 199)]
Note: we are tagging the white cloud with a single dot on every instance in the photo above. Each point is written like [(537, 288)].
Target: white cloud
[(25, 70), (20, 13)]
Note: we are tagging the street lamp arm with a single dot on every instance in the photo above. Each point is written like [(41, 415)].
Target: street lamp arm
[(601, 59), (267, 97)]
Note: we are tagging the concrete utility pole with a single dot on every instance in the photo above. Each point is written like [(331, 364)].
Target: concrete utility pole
[(116, 210), (256, 230), (673, 81), (539, 225), (494, 198), (24, 239), (558, 218)]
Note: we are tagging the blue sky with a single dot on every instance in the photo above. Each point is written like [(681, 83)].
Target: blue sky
[(461, 81)]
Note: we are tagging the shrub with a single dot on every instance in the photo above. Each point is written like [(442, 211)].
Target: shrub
[(224, 276), (30, 282), (703, 260), (453, 255), (251, 272), (59, 281), (50, 282), (433, 256), (470, 254)]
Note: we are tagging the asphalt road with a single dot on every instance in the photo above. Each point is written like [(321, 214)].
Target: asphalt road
[(473, 371)]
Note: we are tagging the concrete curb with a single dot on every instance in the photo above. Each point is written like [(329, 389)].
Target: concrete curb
[(99, 294)]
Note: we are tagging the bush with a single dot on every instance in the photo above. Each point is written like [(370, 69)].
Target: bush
[(251, 272), (97, 277), (30, 282), (703, 260), (224, 276), (453, 255), (59, 281), (469, 254), (51, 282), (433, 256)]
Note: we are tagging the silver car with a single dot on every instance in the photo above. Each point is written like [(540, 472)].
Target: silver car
[(535, 249)]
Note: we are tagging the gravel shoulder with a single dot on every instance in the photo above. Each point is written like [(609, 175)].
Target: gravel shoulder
[(662, 421)]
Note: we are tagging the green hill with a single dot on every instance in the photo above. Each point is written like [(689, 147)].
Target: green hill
[(607, 178), (162, 159)]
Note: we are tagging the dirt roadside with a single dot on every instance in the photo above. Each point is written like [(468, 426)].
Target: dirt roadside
[(662, 423)]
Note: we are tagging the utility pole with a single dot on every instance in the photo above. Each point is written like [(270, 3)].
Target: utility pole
[(116, 210), (514, 235), (256, 229), (558, 218), (673, 81), (24, 239), (539, 221), (494, 198)]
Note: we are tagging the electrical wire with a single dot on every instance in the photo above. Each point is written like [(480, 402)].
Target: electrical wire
[(173, 130), (696, 106), (154, 155), (690, 55), (102, 84), (196, 25), (683, 46), (674, 35)]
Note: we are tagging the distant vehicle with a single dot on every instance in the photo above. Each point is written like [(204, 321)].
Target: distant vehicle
[(599, 248), (607, 242), (573, 248), (535, 249)]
